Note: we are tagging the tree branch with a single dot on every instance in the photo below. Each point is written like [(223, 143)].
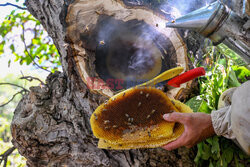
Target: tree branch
[(30, 79), (26, 49), (15, 86), (11, 4), (4, 156), (20, 92)]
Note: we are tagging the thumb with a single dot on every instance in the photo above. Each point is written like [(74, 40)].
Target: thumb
[(175, 117)]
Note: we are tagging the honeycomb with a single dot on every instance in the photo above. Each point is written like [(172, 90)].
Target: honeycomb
[(134, 116), (154, 142)]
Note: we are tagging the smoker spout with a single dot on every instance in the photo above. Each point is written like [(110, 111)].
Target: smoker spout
[(196, 20), (221, 25)]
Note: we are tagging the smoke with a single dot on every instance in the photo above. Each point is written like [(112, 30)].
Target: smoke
[(131, 44), (178, 8), (135, 2), (126, 49), (106, 29), (140, 60)]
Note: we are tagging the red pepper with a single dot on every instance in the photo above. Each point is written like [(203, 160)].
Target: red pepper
[(187, 76)]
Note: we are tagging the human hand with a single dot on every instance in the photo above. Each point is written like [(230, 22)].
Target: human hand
[(198, 127)]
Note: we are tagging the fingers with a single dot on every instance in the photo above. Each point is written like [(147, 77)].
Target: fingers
[(198, 126), (189, 146), (176, 144), (179, 143), (176, 117), (182, 118)]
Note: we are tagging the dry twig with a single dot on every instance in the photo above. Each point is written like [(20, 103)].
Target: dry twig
[(30, 79), (20, 92), (11, 4), (15, 86), (5, 155)]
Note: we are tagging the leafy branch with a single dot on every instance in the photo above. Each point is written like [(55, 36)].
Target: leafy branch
[(11, 4), (26, 50), (223, 72), (4, 156)]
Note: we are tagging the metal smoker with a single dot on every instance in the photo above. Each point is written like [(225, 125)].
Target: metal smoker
[(221, 24)]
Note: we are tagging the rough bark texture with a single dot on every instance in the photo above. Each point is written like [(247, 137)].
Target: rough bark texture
[(51, 124), (51, 128)]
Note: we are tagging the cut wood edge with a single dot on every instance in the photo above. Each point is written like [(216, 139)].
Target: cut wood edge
[(90, 11)]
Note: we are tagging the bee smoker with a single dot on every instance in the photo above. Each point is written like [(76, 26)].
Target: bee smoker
[(221, 24)]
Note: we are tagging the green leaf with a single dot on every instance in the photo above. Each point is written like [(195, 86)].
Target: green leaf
[(204, 108), (194, 103), (215, 146), (206, 152), (2, 44), (210, 141), (9, 63), (12, 47), (228, 154), (36, 41), (241, 72), (241, 155), (219, 162), (198, 155), (211, 164), (233, 81), (222, 62), (197, 104), (224, 163), (236, 161)]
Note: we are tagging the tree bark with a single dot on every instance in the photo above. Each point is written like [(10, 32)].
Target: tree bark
[(51, 125)]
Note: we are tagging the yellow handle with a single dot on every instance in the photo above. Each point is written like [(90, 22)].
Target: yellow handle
[(160, 78), (163, 77)]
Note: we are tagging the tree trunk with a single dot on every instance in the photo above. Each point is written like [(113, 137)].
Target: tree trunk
[(51, 124)]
